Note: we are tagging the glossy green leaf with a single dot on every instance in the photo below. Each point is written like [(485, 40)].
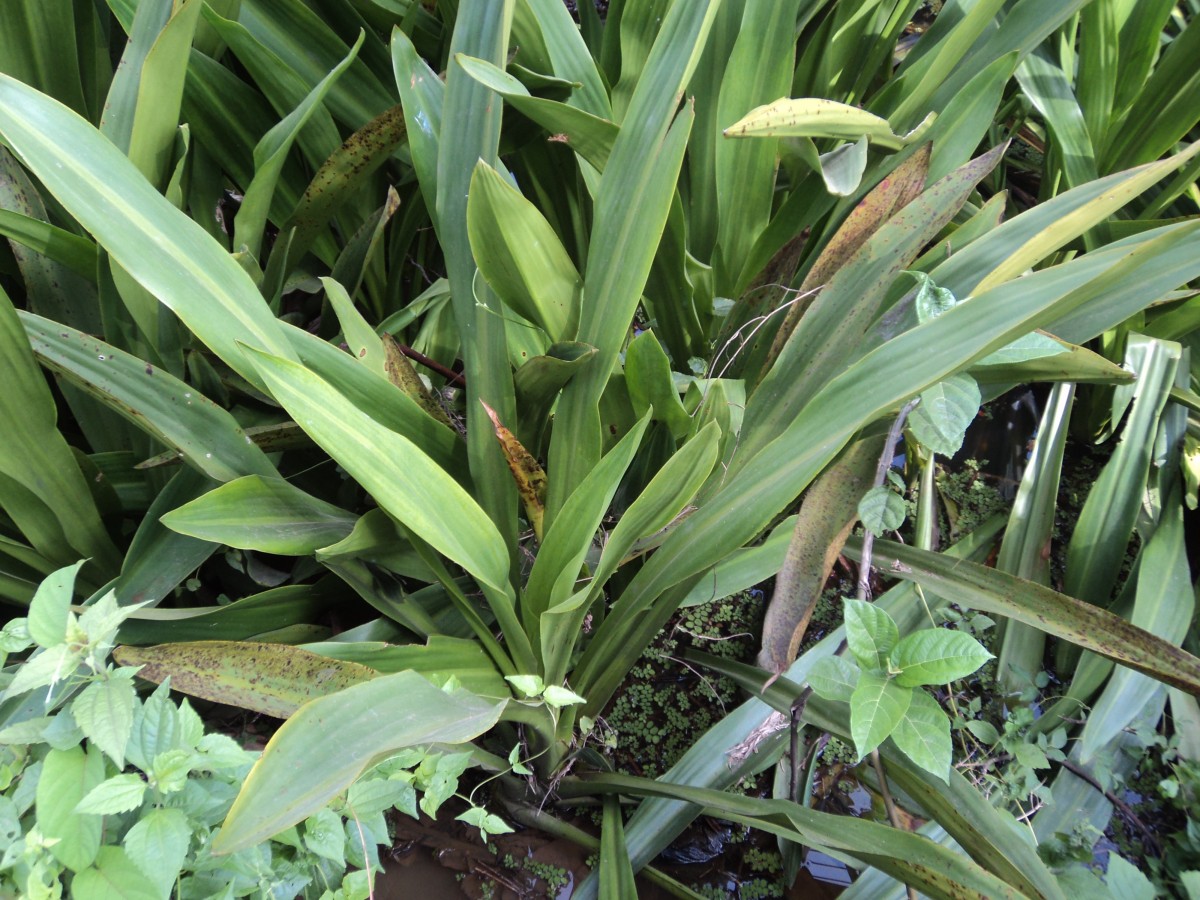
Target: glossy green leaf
[(881, 510), (265, 514), (176, 413), (876, 707), (946, 409), (923, 735), (834, 678), (870, 632), (520, 255), (936, 656), (1088, 626), (273, 679), (336, 738), (165, 251)]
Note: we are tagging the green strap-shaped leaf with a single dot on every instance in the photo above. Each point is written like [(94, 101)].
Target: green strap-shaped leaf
[(265, 514), (330, 742), (405, 482), (42, 490), (520, 255), (169, 254), (76, 253), (204, 434), (616, 874)]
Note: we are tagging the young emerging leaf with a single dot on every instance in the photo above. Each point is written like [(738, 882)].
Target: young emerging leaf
[(871, 634), (936, 656), (834, 678), (560, 696), (946, 409), (528, 685), (50, 608), (881, 510), (923, 735), (876, 708)]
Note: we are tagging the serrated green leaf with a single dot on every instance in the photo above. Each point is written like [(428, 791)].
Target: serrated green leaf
[(877, 706), (923, 735), (46, 668), (1125, 880), (104, 713), (114, 877), (50, 608), (834, 678), (870, 632), (882, 510), (158, 843), (118, 794), (936, 656), (940, 421), (1031, 756), (323, 835), (67, 776)]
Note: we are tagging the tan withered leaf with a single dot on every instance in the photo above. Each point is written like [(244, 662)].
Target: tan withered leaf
[(528, 474), (401, 373), (828, 513), (886, 199)]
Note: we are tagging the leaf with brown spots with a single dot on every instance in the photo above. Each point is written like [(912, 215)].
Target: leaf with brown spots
[(401, 373), (527, 472)]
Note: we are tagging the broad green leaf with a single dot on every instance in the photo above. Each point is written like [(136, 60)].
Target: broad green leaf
[(118, 794), (104, 713), (870, 632), (877, 706), (67, 777), (520, 255), (1088, 626), (273, 679), (329, 742), (158, 843), (404, 481), (940, 421), (936, 656), (42, 490), (815, 118), (1127, 881), (882, 510), (164, 250), (50, 609), (114, 876), (648, 377), (265, 514), (46, 668), (923, 735), (324, 836), (834, 678)]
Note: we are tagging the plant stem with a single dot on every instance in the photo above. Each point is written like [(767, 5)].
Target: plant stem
[(885, 463)]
